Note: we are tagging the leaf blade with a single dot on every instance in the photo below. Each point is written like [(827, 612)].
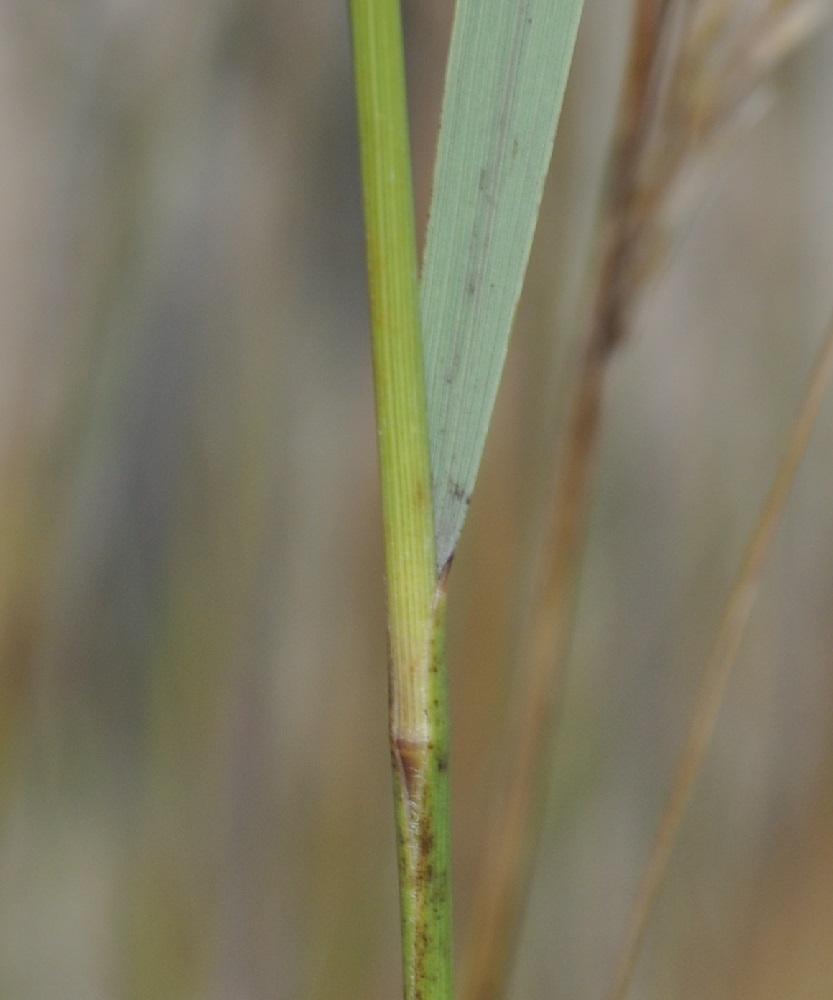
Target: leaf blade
[(507, 72)]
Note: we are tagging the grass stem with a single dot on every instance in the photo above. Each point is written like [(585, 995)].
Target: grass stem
[(415, 598)]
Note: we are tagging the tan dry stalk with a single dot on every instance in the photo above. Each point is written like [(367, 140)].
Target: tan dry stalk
[(512, 841), (718, 667)]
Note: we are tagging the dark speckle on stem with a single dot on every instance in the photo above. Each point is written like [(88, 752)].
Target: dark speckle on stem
[(460, 493)]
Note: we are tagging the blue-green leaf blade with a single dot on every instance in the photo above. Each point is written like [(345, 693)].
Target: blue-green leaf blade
[(507, 72)]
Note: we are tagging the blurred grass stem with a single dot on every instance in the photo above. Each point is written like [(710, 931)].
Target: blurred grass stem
[(511, 849), (415, 598), (719, 665)]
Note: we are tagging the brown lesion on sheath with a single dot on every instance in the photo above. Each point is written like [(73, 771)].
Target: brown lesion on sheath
[(408, 756), (445, 569)]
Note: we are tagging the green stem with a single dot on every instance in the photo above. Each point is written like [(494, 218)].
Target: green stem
[(415, 598)]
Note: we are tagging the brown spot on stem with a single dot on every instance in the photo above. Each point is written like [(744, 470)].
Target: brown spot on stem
[(407, 754), (426, 847)]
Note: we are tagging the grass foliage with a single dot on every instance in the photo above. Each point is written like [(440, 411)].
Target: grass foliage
[(507, 72)]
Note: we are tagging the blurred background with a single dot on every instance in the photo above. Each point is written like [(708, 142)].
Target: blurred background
[(194, 780)]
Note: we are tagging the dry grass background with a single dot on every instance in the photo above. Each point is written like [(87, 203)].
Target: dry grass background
[(194, 786)]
